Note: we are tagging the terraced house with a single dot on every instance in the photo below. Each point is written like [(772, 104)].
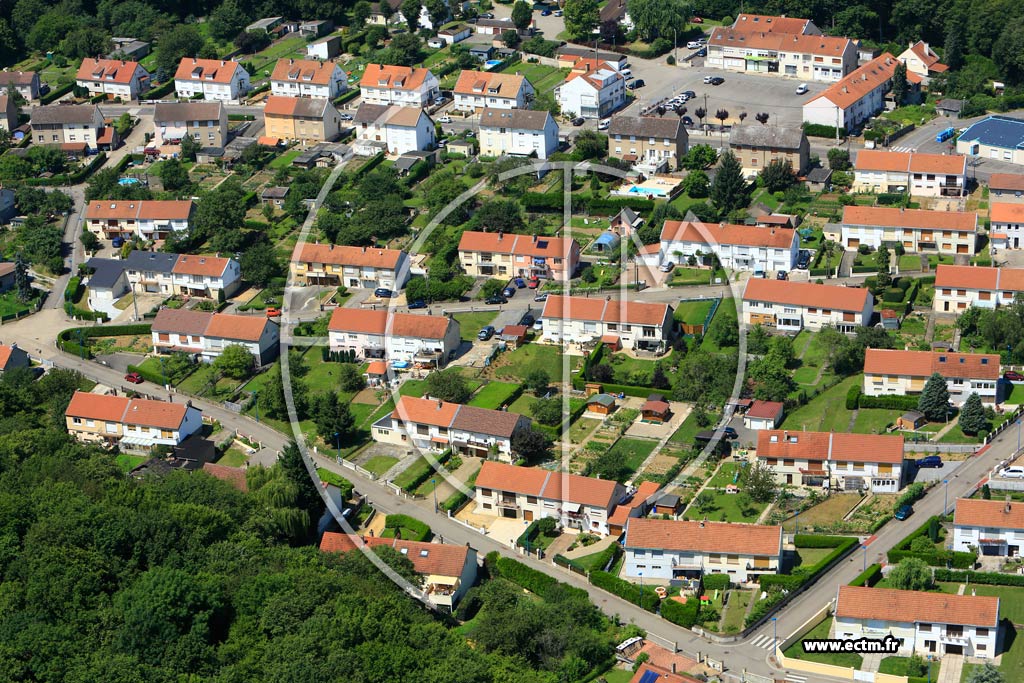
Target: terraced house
[(72, 127), (807, 57), (833, 460), (858, 96), (991, 527), (212, 79), (738, 247), (650, 143), (404, 338), (943, 232), (793, 306), (307, 78), (193, 275), (924, 175), (206, 335), (1006, 225), (897, 372), (354, 267), (131, 423), (147, 219), (630, 324), (401, 85), (306, 120), (957, 288), (206, 122), (497, 254), (113, 78), (476, 90)]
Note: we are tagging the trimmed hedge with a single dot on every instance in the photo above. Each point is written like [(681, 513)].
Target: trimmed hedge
[(427, 473), (159, 91), (74, 290), (609, 554), (716, 582), (421, 530), (958, 560), (987, 578), (873, 574), (853, 397), (629, 390), (148, 374), (454, 502), (626, 590), (762, 608), (888, 402), (817, 130), (680, 613), (55, 95), (814, 541), (83, 314), (75, 178), (346, 96), (893, 295), (372, 163), (536, 582)]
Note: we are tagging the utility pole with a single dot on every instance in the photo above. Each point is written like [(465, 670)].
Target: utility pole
[(135, 303)]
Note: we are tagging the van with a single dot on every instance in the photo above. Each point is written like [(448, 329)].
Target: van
[(694, 45), (627, 73), (801, 89), (1014, 472)]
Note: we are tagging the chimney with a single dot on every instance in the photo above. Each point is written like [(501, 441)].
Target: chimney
[(440, 404), (535, 238), (673, 667), (501, 233), (223, 63), (1006, 508)]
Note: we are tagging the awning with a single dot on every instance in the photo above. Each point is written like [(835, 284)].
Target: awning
[(571, 507), (814, 473), (992, 541), (173, 132), (136, 441), (439, 439)]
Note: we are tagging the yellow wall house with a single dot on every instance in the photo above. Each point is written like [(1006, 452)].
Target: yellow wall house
[(306, 119), (95, 418)]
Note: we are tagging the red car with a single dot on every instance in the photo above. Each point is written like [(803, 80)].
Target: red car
[(134, 378), (273, 312), (533, 283), (1013, 376)]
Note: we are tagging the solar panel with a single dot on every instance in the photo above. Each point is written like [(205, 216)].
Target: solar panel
[(649, 677)]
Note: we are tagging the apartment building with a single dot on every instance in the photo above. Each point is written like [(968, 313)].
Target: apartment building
[(206, 335), (943, 232), (922, 175), (193, 275), (307, 78), (738, 247), (506, 255), (592, 91), (67, 124), (1007, 222), (147, 219), (307, 120), (531, 493), (130, 423), (756, 146), (899, 372), (393, 129), (933, 624), (668, 549), (477, 90), (1006, 188), (426, 340), (793, 306), (807, 57), (654, 143), (432, 424), (206, 122), (834, 460), (764, 23), (113, 78), (25, 83), (957, 288), (213, 79), (401, 85), (858, 96), (580, 320), (353, 267), (518, 132)]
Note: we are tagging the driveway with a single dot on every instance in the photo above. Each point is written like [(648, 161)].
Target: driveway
[(934, 473)]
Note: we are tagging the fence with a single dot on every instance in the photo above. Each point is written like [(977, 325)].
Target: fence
[(931, 447), (1005, 425)]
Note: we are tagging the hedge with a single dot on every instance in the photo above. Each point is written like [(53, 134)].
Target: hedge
[(536, 582), (626, 590), (73, 292), (853, 397), (716, 582), (83, 314), (888, 402), (55, 95), (817, 130), (159, 91), (683, 614), (241, 117), (864, 269), (873, 574), (893, 295), (815, 541), (958, 560), (762, 607), (347, 96), (427, 473), (454, 502), (372, 163), (987, 578), (421, 530), (608, 555), (75, 178), (580, 383), (148, 374), (528, 535)]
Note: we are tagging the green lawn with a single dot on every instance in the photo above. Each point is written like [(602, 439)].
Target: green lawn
[(629, 370), (687, 431), (874, 420), (471, 323), (413, 472), (1016, 396), (581, 429), (617, 676), (728, 309), (379, 464), (736, 610), (129, 462), (413, 387), (493, 395), (825, 412), (910, 262), (819, 632), (897, 666), (266, 59), (683, 276), (204, 382), (633, 452), (808, 557), (805, 375), (285, 160), (727, 509), (11, 305), (956, 435), (517, 364), (233, 457), (693, 312), (541, 77), (725, 475)]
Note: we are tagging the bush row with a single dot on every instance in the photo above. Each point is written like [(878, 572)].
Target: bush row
[(536, 582), (762, 608), (83, 314), (56, 94), (987, 578), (716, 582), (74, 290), (853, 397), (75, 178), (817, 130), (608, 555), (159, 92), (427, 473), (370, 164), (888, 402), (815, 541), (154, 376), (454, 502), (957, 560), (421, 530), (553, 201), (626, 590), (872, 575), (683, 614)]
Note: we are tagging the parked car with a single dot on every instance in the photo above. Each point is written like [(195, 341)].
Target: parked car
[(604, 123), (1012, 472), (903, 512), (533, 283), (578, 121), (134, 378), (803, 259), (541, 296), (117, 242), (638, 83), (801, 89), (559, 12), (508, 292), (687, 121), (707, 79), (520, 283), (1013, 376), (496, 299), (383, 293), (538, 326), (717, 80), (689, 94), (631, 85), (694, 45), (418, 303), (545, 13), (487, 15), (486, 333), (444, 119), (528, 320), (760, 273), (273, 312), (345, 117), (781, 275), (929, 461), (667, 267), (729, 433)]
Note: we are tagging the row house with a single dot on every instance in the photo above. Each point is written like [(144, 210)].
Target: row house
[(849, 462), (436, 425), (427, 340), (738, 247), (994, 528), (507, 255), (807, 57), (205, 122), (793, 306), (307, 78), (206, 335), (922, 175), (1006, 188), (113, 78), (957, 288), (448, 570), (668, 549), (943, 232), (629, 324), (307, 120), (353, 267), (591, 90), (191, 275), (72, 126), (901, 373), (211, 79), (568, 54), (25, 83), (1006, 225), (856, 97), (764, 23), (392, 128), (131, 423), (651, 143), (531, 493), (8, 119), (13, 357), (756, 146), (201, 275), (476, 90), (147, 219), (518, 132), (929, 624), (402, 85)]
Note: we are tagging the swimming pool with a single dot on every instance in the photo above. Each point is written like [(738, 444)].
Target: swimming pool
[(128, 181), (648, 191), (491, 63)]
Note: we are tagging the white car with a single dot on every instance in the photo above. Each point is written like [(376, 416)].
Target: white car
[(558, 13), (1012, 473), (603, 125), (445, 119), (801, 89), (707, 79), (694, 45), (667, 267)]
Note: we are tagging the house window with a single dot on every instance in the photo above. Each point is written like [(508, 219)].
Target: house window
[(485, 492)]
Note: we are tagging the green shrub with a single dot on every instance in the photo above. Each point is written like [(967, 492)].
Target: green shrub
[(713, 582), (853, 397), (814, 541), (414, 525), (872, 575), (762, 608), (893, 295), (682, 614), (536, 582), (986, 578), (888, 402), (625, 590)]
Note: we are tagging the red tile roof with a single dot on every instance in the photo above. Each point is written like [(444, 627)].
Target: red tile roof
[(928, 56), (865, 79), (232, 475), (201, 264), (888, 604), (725, 233), (1002, 212), (980, 277), (304, 71), (917, 219), (663, 675), (925, 363), (520, 245), (336, 255), (233, 327), (614, 311), (437, 559), (533, 481), (996, 514), (425, 411), (1006, 181), (107, 71), (5, 355), (768, 23), (488, 83), (377, 367), (393, 77), (97, 406), (765, 410), (148, 413), (716, 537), (827, 46), (395, 324), (146, 209), (206, 70), (910, 162), (835, 446), (807, 294)]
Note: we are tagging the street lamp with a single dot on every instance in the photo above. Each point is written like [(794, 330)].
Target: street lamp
[(796, 522), (256, 403), (945, 497), (641, 575), (775, 635), (433, 483), (864, 567), (337, 437), (1018, 436), (163, 372)]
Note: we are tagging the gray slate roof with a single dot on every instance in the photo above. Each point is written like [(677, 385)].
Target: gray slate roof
[(187, 111), (646, 126), (524, 119), (152, 261), (107, 272), (368, 113), (758, 135), (63, 113)]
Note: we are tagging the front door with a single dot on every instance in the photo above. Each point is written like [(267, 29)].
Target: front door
[(789, 478), (528, 515)]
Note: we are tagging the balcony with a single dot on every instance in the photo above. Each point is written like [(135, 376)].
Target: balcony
[(508, 503)]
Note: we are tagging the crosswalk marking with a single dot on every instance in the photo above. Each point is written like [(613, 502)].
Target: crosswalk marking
[(763, 641), (793, 678), (901, 149)]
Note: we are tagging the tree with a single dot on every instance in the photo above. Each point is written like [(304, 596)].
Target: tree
[(498, 214), (184, 40), (700, 157), (510, 38), (235, 362), (333, 418), (696, 184), (349, 378), (189, 148), (21, 279), (729, 191), (90, 242), (774, 382), (934, 401), (537, 381), (85, 42), (659, 380), (724, 331), (762, 118), (778, 175), (704, 502), (590, 145), (657, 18), (251, 42), (522, 14), (757, 340), (722, 115), (899, 83), (361, 11), (1008, 53), (411, 12), (228, 19), (986, 673), (531, 444), (602, 372), (547, 411), (260, 263), (972, 416), (760, 483), (911, 574), (437, 10), (174, 175), (838, 159), (955, 43), (581, 17), (448, 385)]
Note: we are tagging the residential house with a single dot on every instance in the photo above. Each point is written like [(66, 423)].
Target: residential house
[(113, 78), (764, 415), (1006, 188), (922, 175), (996, 137), (8, 114), (518, 132), (580, 320), (653, 143), (131, 423), (151, 271), (642, 502), (497, 254), (807, 57), (206, 122), (206, 335), (922, 61), (592, 92), (944, 232), (26, 83), (531, 493), (449, 570), (849, 462), (792, 306), (401, 85), (427, 340), (214, 79), (67, 124), (649, 673), (991, 527), (315, 28), (433, 424), (147, 219), (476, 90), (763, 23), (625, 222), (930, 624), (1006, 224), (668, 549), (107, 283), (307, 78), (213, 277), (756, 146), (353, 267), (960, 287), (899, 372), (305, 119), (738, 247), (856, 97), (12, 357), (393, 129), (324, 49), (568, 54), (616, 12)]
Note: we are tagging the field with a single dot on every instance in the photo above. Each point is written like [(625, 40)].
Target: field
[(493, 395), (683, 276), (693, 312), (726, 308)]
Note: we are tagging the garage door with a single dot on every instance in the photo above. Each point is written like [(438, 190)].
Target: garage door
[(854, 243), (961, 248)]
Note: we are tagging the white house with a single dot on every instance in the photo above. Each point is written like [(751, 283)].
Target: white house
[(518, 132), (991, 527), (763, 415), (792, 306), (393, 336), (957, 288), (580, 320), (898, 372), (148, 219), (113, 78), (943, 232), (531, 493), (856, 97), (214, 79), (666, 549), (307, 78), (214, 277), (401, 85), (807, 57), (1007, 220), (849, 462), (926, 623), (392, 128), (922, 175), (592, 93), (479, 89), (206, 335), (352, 267), (922, 60), (738, 247), (131, 423)]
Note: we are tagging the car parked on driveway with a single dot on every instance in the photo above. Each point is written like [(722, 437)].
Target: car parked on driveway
[(496, 299), (520, 283), (1013, 376), (383, 293), (418, 303), (929, 461), (803, 260), (533, 283), (717, 80), (486, 333), (134, 378), (542, 296), (508, 292)]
